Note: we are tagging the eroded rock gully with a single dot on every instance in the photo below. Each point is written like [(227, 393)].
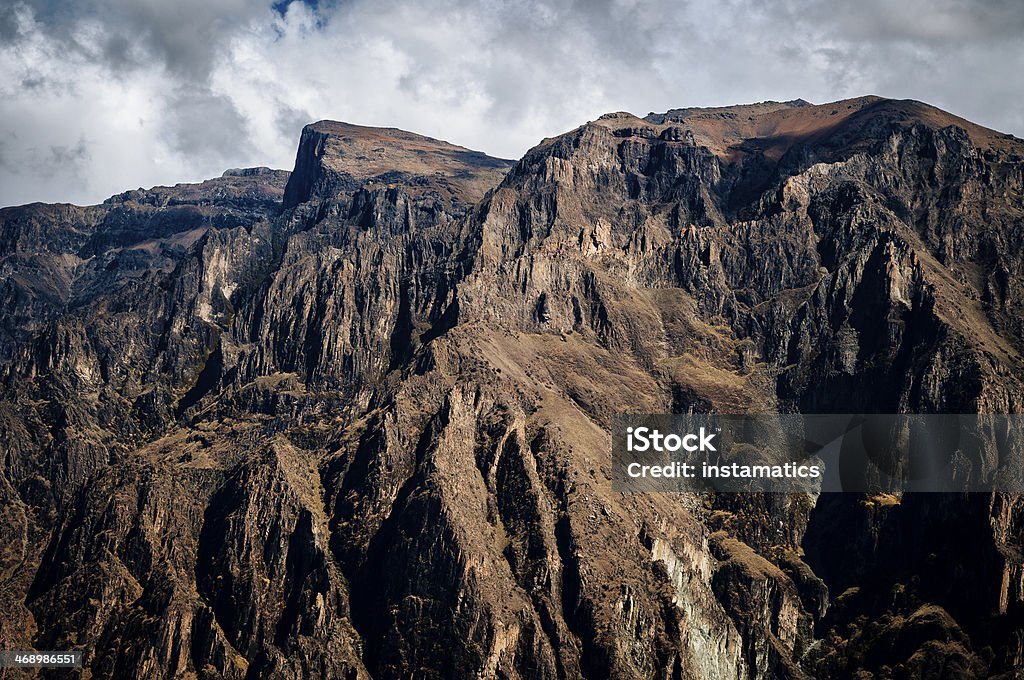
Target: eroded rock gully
[(355, 423)]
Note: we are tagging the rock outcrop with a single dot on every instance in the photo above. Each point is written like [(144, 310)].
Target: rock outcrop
[(357, 425)]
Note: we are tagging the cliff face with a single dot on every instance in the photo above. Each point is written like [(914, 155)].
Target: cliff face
[(358, 426)]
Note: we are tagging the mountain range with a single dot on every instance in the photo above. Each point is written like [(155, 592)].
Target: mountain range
[(353, 421)]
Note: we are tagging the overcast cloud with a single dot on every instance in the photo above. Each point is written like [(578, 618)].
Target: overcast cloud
[(99, 96)]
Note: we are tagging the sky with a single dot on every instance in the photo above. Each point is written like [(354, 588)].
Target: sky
[(101, 96)]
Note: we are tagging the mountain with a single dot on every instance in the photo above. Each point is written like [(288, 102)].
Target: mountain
[(355, 421)]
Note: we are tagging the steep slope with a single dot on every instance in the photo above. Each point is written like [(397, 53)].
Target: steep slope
[(366, 434)]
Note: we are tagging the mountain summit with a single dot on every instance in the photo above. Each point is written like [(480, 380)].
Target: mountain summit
[(331, 154), (355, 421), (778, 126)]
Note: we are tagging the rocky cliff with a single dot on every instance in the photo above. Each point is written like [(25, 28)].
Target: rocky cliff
[(354, 422)]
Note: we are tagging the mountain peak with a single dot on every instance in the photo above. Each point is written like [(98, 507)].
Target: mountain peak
[(332, 153), (772, 128), (755, 109)]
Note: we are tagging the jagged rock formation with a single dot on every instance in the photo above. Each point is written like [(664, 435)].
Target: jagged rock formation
[(357, 426)]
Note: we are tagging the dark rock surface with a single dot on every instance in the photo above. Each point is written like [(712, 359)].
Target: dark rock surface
[(358, 426)]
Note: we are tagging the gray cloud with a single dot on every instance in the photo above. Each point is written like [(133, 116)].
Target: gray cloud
[(59, 155), (184, 36), (204, 125), (936, 23), (177, 91), (8, 24)]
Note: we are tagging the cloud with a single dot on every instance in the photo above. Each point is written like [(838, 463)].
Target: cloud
[(149, 91), (184, 36), (937, 23), (201, 124)]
